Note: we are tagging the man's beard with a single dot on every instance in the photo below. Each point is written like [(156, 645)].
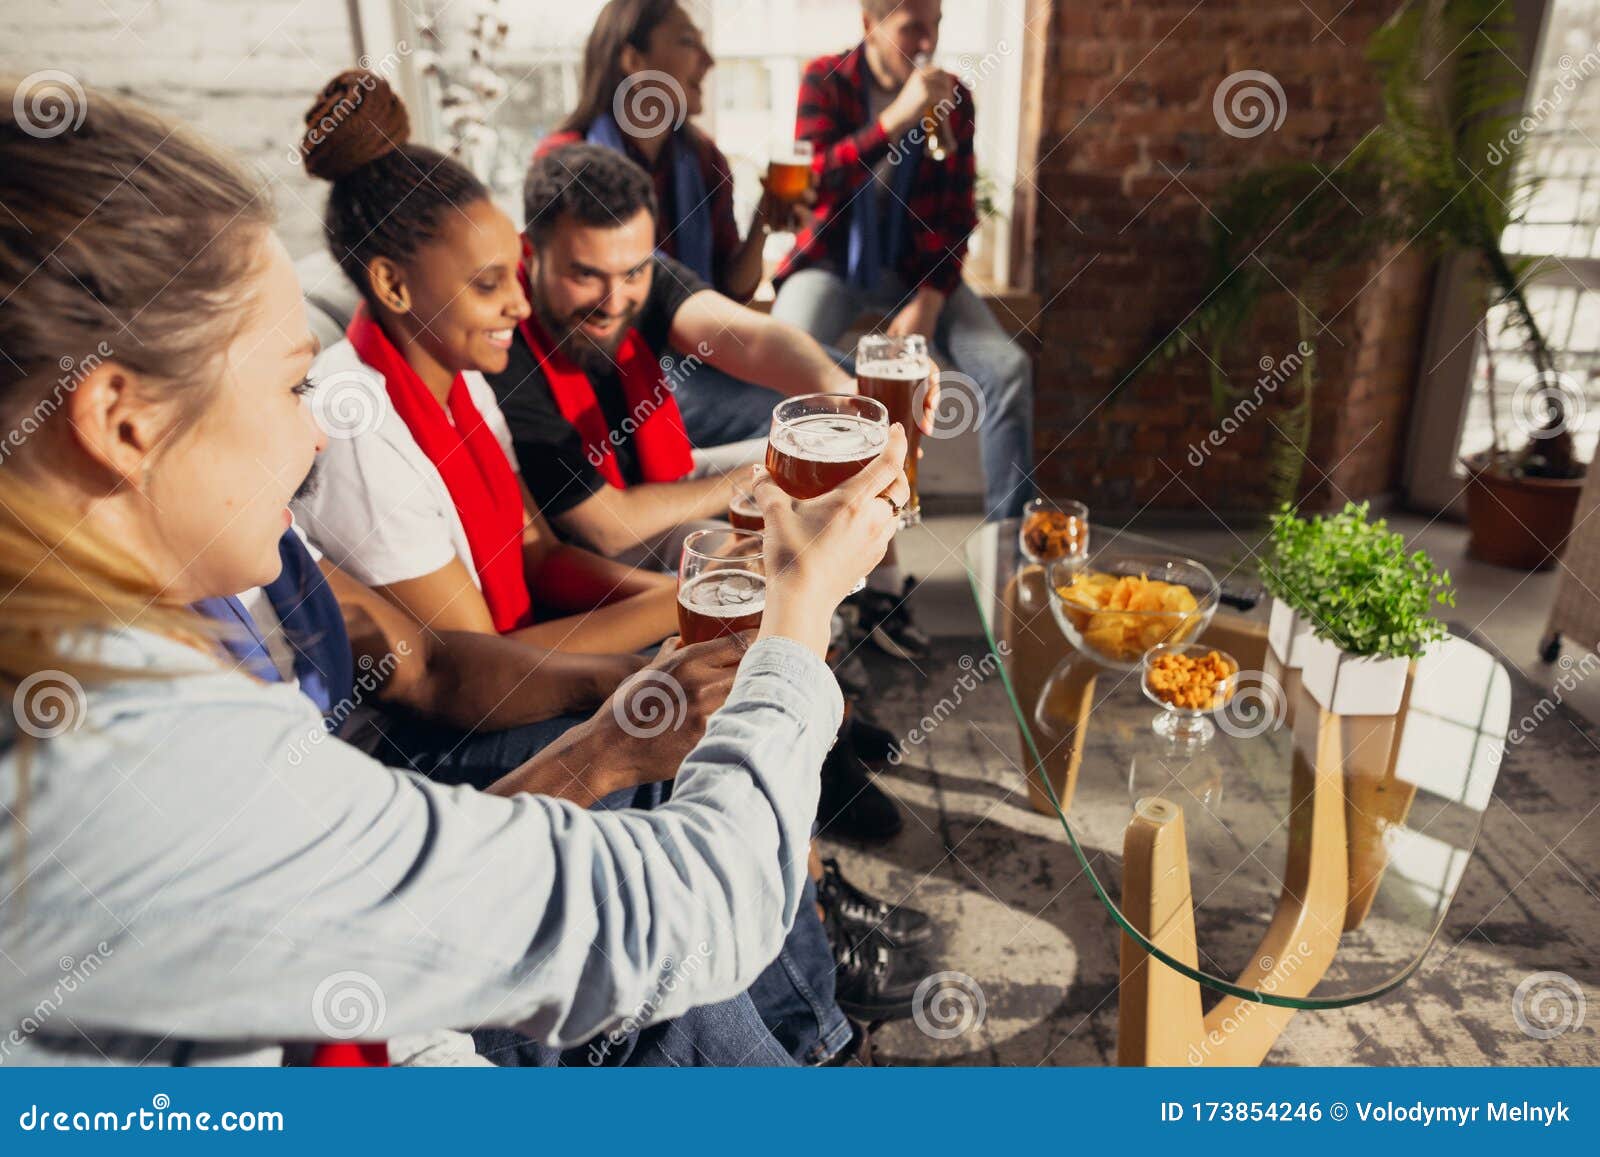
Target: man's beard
[(309, 486), (593, 356)]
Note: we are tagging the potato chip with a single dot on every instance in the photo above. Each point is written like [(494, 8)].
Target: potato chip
[(1123, 616)]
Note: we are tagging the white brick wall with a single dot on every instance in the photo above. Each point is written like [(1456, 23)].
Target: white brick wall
[(242, 71)]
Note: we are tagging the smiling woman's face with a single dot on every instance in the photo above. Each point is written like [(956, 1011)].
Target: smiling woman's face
[(465, 300), (219, 492)]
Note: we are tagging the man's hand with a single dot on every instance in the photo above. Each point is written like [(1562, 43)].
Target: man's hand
[(777, 216), (643, 732), (655, 717), (919, 315), (923, 89)]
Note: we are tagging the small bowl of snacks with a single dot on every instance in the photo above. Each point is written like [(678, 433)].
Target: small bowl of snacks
[(1188, 681), (1116, 607), (1053, 530)]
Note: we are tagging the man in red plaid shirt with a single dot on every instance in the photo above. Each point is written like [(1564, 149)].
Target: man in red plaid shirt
[(891, 226)]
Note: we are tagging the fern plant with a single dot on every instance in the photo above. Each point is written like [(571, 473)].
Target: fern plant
[(1441, 171)]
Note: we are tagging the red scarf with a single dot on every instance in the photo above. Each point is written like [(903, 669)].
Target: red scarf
[(350, 1055), (658, 436), (473, 465)]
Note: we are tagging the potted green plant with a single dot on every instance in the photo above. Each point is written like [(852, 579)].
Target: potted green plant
[(1521, 502), (1441, 172), (1364, 604)]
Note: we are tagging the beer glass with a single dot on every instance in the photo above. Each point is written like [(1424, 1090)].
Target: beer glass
[(819, 441), (789, 174), (722, 584), (897, 372), (744, 514), (930, 116)]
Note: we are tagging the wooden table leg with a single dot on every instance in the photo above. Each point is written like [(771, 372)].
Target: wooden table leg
[(1376, 799), (1158, 1017), (1158, 1014), (1043, 687)]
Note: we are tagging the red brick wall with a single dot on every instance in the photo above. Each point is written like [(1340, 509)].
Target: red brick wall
[(1129, 155)]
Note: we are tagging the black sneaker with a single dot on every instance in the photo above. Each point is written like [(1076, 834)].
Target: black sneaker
[(852, 805), (900, 925), (857, 1054), (873, 980), (886, 620), (871, 741)]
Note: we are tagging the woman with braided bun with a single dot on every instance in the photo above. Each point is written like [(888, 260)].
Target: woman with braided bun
[(424, 502), (241, 889)]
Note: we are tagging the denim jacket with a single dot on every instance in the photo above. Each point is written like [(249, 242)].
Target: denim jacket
[(205, 876)]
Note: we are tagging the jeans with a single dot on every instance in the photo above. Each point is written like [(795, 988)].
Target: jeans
[(824, 304), (787, 1017), (719, 408)]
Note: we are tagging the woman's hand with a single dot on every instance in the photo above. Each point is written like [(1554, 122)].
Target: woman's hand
[(816, 549)]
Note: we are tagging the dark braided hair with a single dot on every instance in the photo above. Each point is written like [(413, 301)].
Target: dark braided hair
[(388, 196)]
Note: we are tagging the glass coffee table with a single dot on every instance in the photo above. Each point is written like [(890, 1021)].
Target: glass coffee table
[(1299, 860)]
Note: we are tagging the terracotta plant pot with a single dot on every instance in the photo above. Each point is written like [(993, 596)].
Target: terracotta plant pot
[(1518, 522)]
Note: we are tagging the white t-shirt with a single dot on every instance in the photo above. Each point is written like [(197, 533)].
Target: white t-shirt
[(380, 510)]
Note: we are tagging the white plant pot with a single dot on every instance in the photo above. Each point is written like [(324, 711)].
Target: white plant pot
[(1287, 632), (1346, 684)]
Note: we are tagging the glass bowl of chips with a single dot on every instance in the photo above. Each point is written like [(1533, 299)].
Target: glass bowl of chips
[(1189, 682), (1116, 607)]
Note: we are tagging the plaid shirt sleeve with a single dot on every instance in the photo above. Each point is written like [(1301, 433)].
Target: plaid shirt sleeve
[(829, 115)]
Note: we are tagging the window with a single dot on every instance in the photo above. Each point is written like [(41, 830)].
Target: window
[(1561, 229), (760, 47)]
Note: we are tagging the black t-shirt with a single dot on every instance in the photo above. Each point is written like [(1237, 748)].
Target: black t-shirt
[(550, 451)]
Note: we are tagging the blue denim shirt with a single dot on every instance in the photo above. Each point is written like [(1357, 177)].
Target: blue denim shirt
[(208, 876)]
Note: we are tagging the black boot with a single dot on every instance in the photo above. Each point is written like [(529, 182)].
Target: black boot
[(852, 805)]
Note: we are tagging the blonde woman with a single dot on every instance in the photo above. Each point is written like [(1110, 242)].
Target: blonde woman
[(228, 892)]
